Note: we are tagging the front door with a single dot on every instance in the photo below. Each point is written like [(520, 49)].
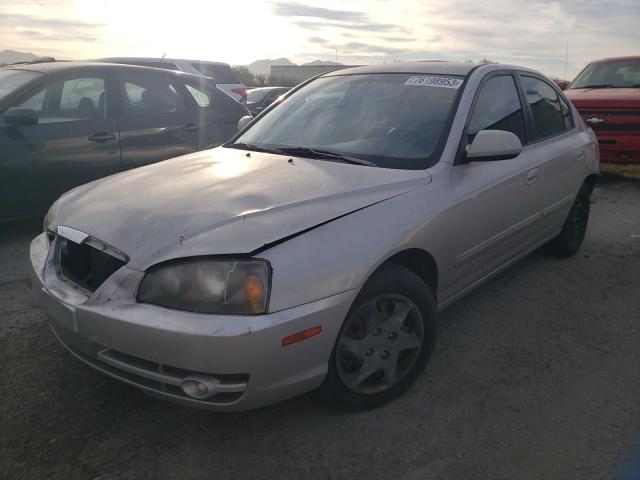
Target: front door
[(499, 201), (74, 142)]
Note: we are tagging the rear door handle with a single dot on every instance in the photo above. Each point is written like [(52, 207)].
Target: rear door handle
[(532, 176), (101, 137), (190, 127)]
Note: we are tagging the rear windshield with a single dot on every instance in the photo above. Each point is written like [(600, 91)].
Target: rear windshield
[(219, 72), (10, 80)]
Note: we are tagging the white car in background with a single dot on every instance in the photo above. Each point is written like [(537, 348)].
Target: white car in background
[(226, 80)]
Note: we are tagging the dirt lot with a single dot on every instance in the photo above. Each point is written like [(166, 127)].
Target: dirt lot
[(535, 376)]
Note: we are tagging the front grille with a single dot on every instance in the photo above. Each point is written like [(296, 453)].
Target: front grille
[(86, 265), (613, 113), (618, 128)]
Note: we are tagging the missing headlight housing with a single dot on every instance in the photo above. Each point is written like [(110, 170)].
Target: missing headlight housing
[(209, 285)]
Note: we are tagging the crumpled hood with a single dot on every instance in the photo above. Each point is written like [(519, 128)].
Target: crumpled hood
[(222, 201)]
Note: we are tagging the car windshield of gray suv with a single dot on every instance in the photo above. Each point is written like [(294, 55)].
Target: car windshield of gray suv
[(623, 74), (386, 120), (12, 79)]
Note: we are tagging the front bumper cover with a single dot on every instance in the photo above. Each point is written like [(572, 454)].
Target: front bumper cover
[(155, 349)]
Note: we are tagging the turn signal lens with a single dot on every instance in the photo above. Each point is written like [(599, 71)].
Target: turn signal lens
[(254, 290), (303, 335)]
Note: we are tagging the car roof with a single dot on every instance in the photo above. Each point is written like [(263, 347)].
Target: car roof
[(266, 88), (617, 59), (434, 67), (159, 59), (50, 67)]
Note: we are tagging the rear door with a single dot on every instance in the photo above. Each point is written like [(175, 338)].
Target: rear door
[(500, 200), (154, 118), (556, 146), (75, 141)]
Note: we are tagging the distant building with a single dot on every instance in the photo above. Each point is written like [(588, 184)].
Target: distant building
[(294, 74)]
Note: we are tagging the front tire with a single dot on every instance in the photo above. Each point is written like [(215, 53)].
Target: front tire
[(385, 342), (570, 239)]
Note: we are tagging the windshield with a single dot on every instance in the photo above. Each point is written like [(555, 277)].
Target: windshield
[(624, 74), (257, 94), (13, 79), (392, 120)]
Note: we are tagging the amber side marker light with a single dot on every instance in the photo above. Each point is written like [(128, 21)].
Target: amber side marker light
[(303, 335)]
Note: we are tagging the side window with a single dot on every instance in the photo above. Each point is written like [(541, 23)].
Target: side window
[(69, 101), (200, 96), (35, 102), (498, 108), (146, 94), (549, 116), (566, 114)]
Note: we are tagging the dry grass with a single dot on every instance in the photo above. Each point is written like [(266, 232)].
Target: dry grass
[(630, 171)]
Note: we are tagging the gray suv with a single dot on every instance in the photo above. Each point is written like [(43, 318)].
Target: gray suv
[(226, 80), (63, 124)]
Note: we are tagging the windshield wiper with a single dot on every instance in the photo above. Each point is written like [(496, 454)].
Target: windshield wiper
[(256, 148), (310, 152)]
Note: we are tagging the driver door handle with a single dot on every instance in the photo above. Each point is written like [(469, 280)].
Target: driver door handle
[(190, 127), (101, 137), (532, 176)]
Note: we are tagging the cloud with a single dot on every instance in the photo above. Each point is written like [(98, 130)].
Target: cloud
[(366, 26), (318, 40), (359, 47), (20, 20), (298, 10), (332, 18), (62, 37)]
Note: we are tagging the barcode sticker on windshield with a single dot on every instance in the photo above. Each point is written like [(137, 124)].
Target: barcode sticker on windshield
[(444, 82)]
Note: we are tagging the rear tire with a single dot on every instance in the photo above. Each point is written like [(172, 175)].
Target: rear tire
[(385, 342), (569, 241)]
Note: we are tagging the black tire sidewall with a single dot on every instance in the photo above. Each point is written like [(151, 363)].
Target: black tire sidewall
[(389, 279), (563, 245)]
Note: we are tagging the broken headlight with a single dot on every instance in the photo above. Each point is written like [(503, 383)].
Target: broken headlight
[(204, 285)]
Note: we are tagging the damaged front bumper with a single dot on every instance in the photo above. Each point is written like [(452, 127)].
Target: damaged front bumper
[(218, 362)]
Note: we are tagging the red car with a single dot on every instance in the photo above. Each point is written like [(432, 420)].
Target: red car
[(607, 95)]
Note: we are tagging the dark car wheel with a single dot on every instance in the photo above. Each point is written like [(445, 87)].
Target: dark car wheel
[(385, 341), (569, 241)]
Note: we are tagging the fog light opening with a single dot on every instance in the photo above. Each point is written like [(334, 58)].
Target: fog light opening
[(200, 386)]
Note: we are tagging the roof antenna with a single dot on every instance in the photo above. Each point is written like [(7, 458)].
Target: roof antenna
[(162, 58)]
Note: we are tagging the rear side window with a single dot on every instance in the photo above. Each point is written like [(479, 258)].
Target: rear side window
[(145, 94), (498, 108), (221, 73), (201, 97), (549, 113)]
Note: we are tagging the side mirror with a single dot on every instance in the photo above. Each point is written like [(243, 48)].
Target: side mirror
[(494, 145), (244, 121), (21, 117)]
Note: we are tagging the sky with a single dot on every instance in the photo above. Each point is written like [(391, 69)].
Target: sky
[(532, 33)]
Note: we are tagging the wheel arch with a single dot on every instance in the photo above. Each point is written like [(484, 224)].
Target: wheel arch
[(419, 262), (590, 181)]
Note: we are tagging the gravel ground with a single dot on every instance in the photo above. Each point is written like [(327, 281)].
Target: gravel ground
[(536, 375)]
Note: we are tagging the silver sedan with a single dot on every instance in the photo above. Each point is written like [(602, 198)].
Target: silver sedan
[(315, 249)]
